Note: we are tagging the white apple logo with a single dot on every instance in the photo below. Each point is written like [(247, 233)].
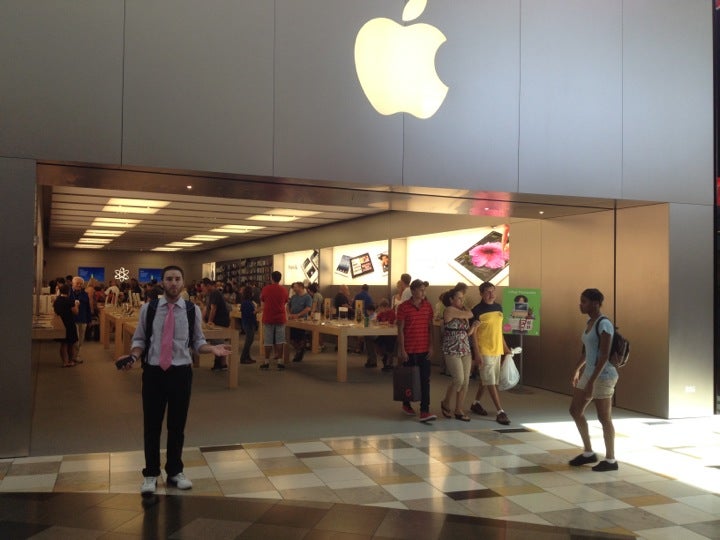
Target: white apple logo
[(396, 64)]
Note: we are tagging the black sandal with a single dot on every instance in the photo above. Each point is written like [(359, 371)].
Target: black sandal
[(464, 417)]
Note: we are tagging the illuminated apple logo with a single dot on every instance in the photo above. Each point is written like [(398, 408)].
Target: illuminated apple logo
[(396, 64)]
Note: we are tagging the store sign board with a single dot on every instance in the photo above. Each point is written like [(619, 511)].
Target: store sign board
[(521, 311)]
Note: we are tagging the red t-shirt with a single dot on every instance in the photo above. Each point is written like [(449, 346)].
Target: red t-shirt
[(387, 316), (417, 321), (274, 297)]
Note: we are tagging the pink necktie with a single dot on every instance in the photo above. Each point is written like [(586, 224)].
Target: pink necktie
[(167, 338)]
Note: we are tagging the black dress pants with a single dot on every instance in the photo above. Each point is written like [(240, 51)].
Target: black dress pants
[(160, 390)]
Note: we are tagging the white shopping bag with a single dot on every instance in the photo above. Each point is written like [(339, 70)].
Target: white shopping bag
[(509, 374)]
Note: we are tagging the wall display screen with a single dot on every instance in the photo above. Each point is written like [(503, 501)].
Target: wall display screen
[(90, 272), (468, 255), (146, 275), (302, 266), (367, 263)]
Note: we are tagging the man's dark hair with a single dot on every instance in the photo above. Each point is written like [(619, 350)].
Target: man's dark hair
[(405, 278), (485, 285), (276, 276), (207, 281), (64, 288), (365, 287), (173, 267)]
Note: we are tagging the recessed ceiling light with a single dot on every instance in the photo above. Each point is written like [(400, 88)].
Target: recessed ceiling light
[(183, 244), (282, 215), (189, 187), (101, 232), (115, 222), (541, 212), (165, 248), (205, 237), (272, 217), (95, 240), (134, 206), (89, 246), (237, 229)]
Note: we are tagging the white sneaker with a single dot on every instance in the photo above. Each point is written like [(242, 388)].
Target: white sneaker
[(180, 481), (149, 485)]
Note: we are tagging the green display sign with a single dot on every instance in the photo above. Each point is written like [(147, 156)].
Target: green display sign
[(521, 311)]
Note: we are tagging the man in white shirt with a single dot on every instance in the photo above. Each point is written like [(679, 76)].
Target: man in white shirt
[(167, 376)]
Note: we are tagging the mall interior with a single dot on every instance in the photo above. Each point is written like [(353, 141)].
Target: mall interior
[(585, 133)]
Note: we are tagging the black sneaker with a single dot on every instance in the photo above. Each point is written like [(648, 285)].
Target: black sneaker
[(265, 366), (219, 368), (478, 409), (605, 466), (281, 367), (579, 460)]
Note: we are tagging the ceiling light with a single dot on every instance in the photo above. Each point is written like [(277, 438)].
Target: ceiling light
[(189, 187), (205, 237), (89, 246), (183, 244), (134, 206), (237, 229), (165, 248), (541, 212), (95, 240), (115, 222), (282, 214), (101, 232), (272, 217)]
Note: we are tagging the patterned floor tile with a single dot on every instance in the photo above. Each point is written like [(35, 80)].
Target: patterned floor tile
[(670, 533), (679, 513)]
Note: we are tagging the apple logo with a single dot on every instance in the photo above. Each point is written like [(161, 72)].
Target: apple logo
[(396, 64)]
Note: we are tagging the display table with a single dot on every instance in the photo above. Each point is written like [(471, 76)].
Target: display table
[(210, 332), (342, 331), (113, 318), (47, 327)]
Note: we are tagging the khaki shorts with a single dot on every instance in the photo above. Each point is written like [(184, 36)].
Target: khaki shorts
[(602, 389), (490, 370)]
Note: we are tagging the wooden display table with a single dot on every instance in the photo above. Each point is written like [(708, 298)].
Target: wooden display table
[(47, 327), (214, 332), (342, 331), (113, 318)]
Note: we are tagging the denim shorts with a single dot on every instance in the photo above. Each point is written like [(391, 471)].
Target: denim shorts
[(273, 334)]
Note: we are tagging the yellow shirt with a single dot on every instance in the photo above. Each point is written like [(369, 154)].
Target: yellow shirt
[(489, 336)]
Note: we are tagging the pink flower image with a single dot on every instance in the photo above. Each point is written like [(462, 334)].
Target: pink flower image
[(490, 255)]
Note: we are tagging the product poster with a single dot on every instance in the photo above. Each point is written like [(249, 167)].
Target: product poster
[(302, 266), (521, 311), (358, 264), (469, 255)]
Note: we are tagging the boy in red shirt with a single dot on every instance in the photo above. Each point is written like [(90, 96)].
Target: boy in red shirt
[(414, 320)]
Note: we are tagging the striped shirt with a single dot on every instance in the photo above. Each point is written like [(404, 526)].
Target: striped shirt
[(417, 321)]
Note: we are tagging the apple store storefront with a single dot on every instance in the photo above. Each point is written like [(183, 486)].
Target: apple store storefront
[(347, 143)]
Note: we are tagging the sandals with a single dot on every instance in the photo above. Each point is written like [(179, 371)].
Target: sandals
[(462, 416), (447, 413), (69, 364)]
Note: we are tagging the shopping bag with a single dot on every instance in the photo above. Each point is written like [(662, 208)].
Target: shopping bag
[(509, 374), (406, 383)]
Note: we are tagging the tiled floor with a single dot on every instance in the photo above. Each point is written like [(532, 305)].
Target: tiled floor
[(434, 483)]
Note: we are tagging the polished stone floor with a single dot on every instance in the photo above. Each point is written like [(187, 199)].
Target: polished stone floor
[(439, 482), (298, 455)]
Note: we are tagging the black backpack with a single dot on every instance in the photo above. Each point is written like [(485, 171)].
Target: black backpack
[(619, 348), (150, 317)]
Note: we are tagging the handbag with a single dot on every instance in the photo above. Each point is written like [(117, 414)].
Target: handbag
[(509, 374), (406, 383)]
